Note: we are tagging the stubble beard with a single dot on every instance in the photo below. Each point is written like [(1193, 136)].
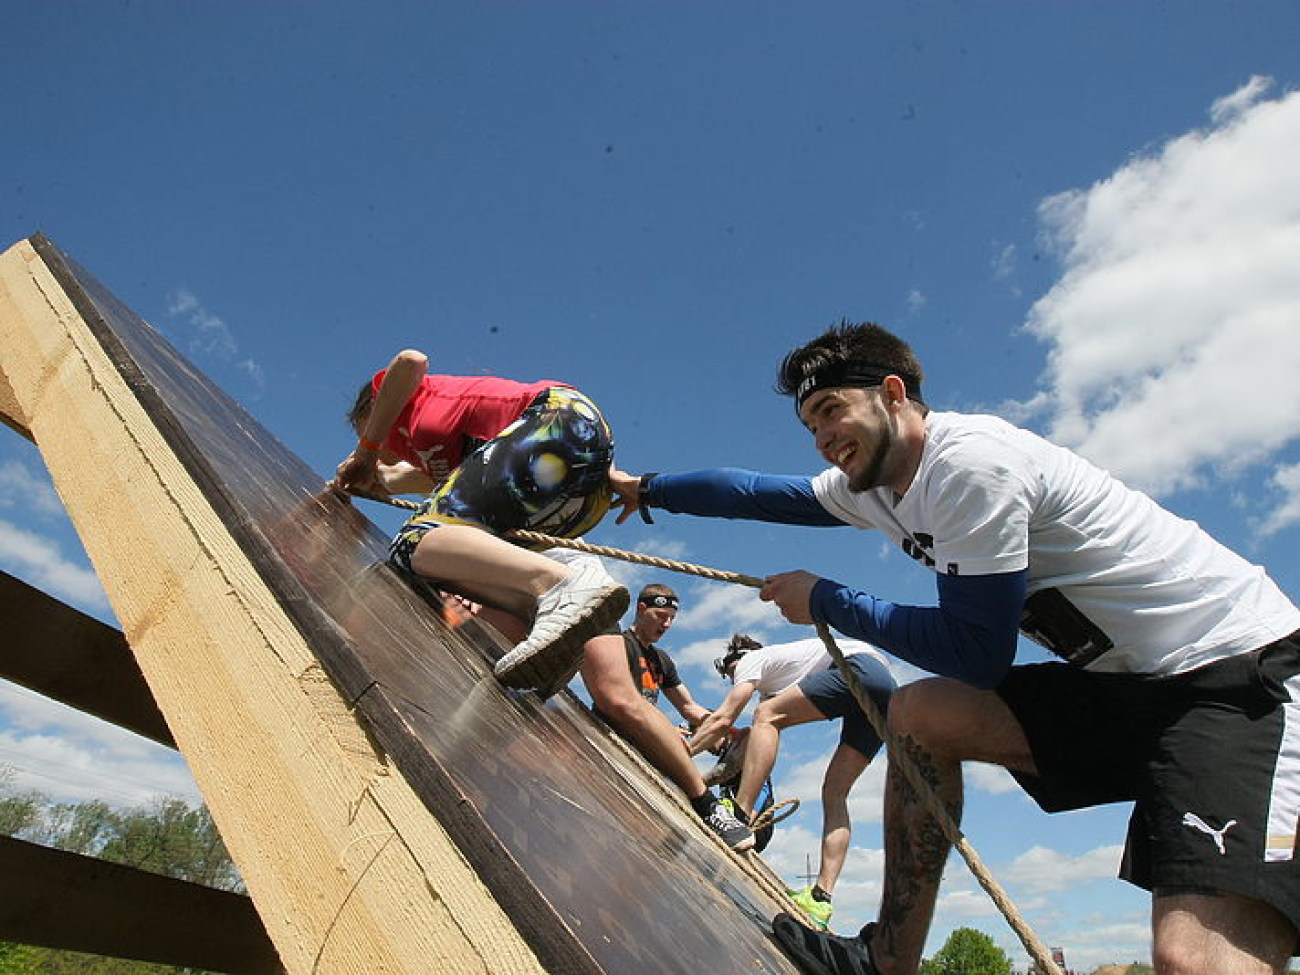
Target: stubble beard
[(871, 476)]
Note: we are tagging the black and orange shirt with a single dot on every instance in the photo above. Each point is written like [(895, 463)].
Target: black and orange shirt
[(652, 669)]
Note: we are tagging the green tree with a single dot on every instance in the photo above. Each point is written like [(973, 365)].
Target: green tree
[(81, 827), (968, 952), (175, 839), (168, 837), (19, 813)]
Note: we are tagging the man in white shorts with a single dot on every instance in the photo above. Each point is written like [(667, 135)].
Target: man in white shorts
[(797, 683), (1178, 687)]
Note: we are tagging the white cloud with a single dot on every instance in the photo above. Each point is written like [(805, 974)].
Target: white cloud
[(38, 560), (701, 653), (1173, 328), (21, 486), (1287, 480), (205, 334), (988, 778), (208, 334), (728, 608), (634, 575), (72, 757), (1039, 870), (1109, 940), (1004, 263)]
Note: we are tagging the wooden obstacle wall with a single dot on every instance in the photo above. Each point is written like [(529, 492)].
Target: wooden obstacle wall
[(391, 807)]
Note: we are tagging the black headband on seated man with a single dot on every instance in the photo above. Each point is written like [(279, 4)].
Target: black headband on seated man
[(659, 601), (838, 374)]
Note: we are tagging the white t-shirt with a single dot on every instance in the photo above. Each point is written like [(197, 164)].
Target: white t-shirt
[(772, 669), (990, 497)]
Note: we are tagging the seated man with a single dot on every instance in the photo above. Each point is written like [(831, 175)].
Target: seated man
[(624, 679), (653, 670), (797, 683)]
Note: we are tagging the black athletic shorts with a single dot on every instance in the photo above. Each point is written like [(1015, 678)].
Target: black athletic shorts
[(1210, 759)]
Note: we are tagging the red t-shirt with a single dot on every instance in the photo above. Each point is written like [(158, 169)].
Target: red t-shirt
[(448, 416)]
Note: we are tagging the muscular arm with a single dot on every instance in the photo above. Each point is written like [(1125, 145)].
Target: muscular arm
[(680, 698), (717, 724), (970, 636)]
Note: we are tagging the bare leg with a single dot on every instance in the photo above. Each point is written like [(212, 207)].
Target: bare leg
[(915, 853), (845, 768), (941, 717), (486, 568), (1225, 934), (608, 681), (790, 707)]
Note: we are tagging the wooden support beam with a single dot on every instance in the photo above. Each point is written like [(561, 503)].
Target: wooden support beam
[(60, 652), (79, 903)]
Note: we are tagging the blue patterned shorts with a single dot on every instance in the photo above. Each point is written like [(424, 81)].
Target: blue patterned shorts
[(546, 472)]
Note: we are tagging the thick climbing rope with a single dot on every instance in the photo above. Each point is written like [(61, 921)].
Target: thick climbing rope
[(774, 814), (899, 752)]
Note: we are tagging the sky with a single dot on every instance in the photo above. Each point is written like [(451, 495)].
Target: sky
[(1083, 216)]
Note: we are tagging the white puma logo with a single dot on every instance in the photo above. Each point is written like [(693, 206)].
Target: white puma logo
[(1196, 822)]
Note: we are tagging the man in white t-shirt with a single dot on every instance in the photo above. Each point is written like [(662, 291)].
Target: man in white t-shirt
[(798, 683), (1178, 687)]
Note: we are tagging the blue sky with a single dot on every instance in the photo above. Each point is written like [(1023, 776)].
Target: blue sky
[(1084, 217)]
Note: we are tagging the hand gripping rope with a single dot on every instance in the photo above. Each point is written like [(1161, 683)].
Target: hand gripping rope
[(898, 753)]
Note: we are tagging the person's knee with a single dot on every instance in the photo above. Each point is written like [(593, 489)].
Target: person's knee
[(1176, 957), (834, 798), (1202, 933), (909, 710), (765, 714), (926, 712), (620, 705)]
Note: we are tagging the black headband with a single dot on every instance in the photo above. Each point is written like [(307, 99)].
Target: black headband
[(840, 374), (659, 601)]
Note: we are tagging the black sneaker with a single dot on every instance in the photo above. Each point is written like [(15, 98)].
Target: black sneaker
[(723, 821), (820, 952)]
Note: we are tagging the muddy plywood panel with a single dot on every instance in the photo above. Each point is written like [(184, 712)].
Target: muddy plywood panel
[(374, 782)]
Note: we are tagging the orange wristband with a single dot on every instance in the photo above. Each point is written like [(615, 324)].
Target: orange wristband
[(368, 444)]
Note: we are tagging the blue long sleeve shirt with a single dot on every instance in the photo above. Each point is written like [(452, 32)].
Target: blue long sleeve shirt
[(970, 636)]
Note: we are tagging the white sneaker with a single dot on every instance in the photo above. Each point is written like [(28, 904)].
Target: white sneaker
[(568, 615)]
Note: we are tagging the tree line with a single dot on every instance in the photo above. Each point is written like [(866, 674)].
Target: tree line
[(167, 836)]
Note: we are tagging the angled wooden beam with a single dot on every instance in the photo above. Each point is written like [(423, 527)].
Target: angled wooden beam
[(10, 413), (60, 652), (78, 903)]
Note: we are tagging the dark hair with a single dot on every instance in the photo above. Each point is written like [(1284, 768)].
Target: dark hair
[(739, 645), (365, 399), (864, 346)]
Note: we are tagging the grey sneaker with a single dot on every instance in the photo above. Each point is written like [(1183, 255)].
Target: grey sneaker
[(722, 820), (568, 615)]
